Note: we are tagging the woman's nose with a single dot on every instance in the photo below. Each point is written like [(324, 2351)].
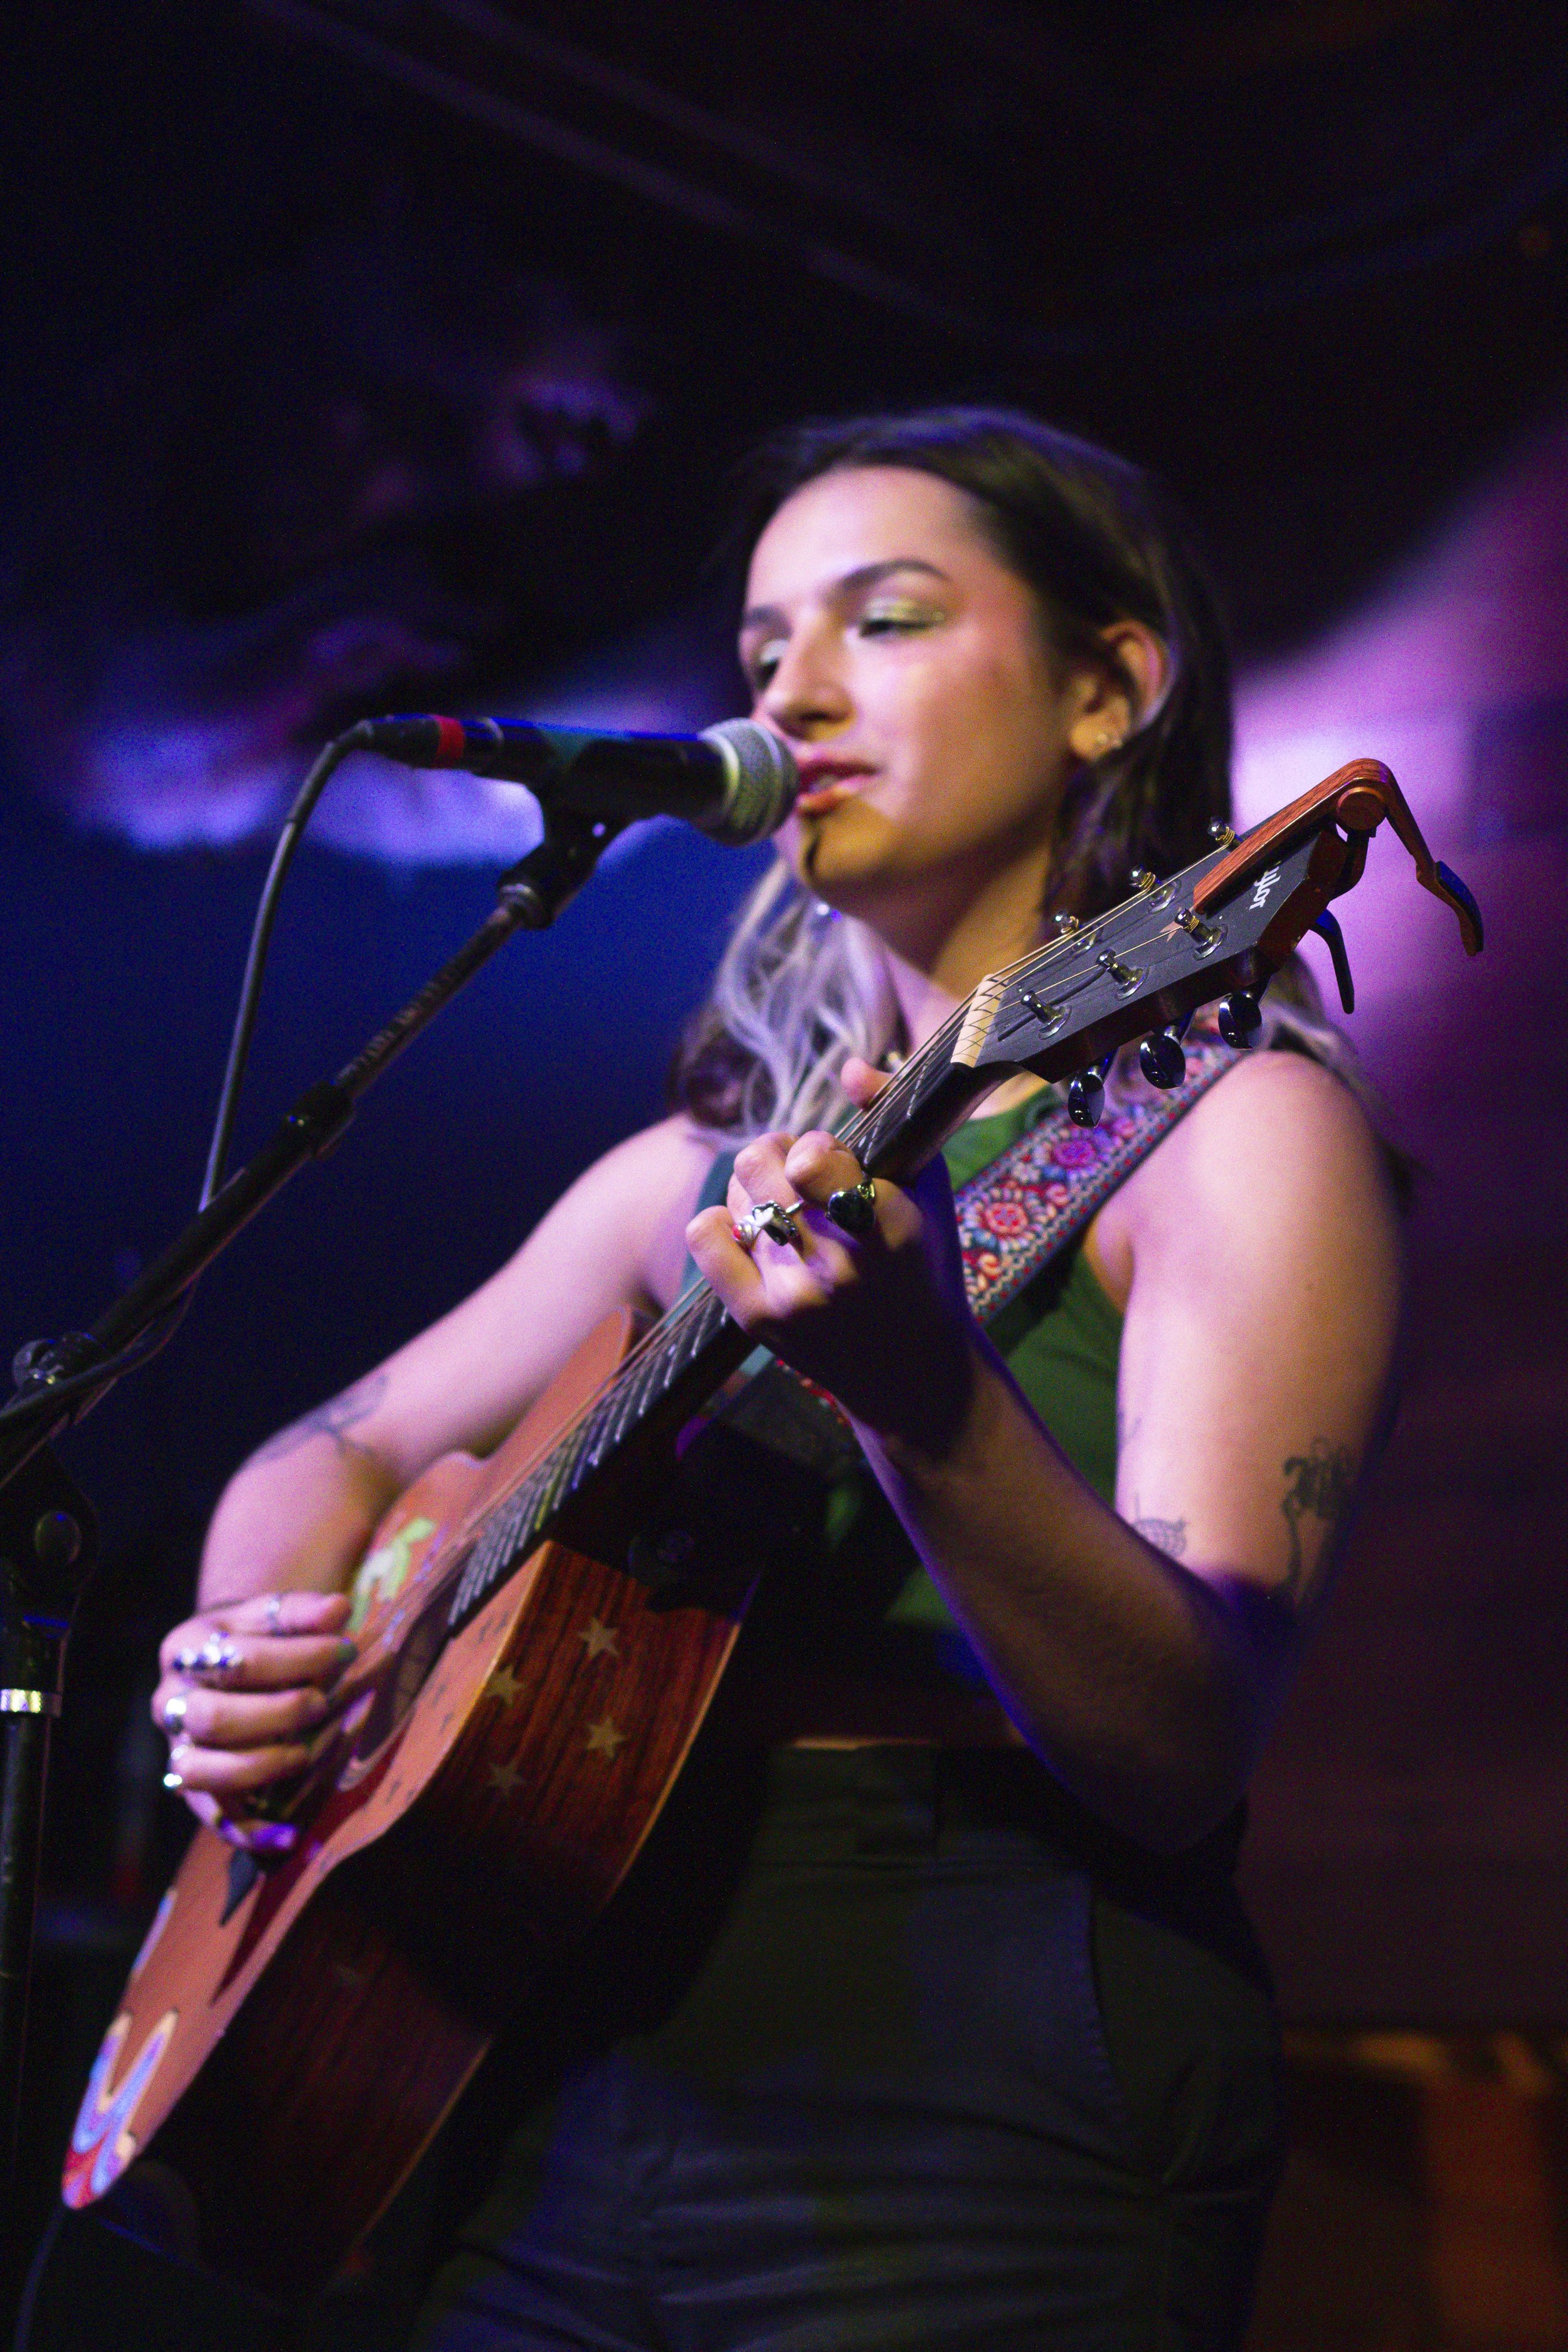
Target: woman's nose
[(806, 695)]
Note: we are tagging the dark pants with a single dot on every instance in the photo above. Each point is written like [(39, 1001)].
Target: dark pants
[(873, 2051)]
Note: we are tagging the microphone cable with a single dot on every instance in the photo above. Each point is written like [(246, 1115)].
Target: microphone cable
[(323, 768), (93, 1372)]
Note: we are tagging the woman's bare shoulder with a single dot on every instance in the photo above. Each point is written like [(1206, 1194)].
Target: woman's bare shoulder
[(1279, 1119), (1281, 1145)]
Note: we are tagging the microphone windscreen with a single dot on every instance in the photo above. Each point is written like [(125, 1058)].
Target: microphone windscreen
[(762, 781)]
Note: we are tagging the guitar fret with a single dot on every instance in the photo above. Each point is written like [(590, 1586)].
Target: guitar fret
[(628, 1409), (621, 1418), (490, 1554), (558, 1464), (498, 1547), (502, 1531), (587, 1461), (598, 1433), (530, 1517), (706, 1323), (874, 1139), (643, 1385), (463, 1598)]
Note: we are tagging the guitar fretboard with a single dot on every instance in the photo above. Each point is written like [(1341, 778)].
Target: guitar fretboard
[(696, 1334), (695, 1346)]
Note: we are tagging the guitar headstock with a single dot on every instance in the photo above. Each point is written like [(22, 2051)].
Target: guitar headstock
[(1215, 932)]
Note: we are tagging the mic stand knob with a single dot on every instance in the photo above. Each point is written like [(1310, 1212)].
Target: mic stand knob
[(539, 884)]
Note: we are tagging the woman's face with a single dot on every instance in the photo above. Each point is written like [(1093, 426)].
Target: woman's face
[(908, 670)]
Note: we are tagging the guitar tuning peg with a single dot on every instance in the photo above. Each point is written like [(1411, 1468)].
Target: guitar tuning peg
[(1222, 835), (1161, 1058), (1238, 1016), (1142, 878), (1066, 925), (1086, 1099)]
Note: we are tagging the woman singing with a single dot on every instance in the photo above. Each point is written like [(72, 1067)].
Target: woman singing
[(929, 2017)]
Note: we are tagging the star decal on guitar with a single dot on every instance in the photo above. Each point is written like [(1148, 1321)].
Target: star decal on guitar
[(603, 1740), (504, 1777), (602, 1640), (503, 1684)]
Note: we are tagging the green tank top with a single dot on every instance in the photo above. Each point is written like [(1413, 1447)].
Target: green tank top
[(1060, 1340)]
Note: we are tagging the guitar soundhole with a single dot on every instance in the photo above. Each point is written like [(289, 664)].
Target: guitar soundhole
[(397, 1689)]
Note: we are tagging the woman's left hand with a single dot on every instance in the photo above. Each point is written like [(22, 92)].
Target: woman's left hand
[(880, 1319)]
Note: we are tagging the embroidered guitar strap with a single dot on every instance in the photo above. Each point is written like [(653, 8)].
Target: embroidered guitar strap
[(1042, 1191), (1029, 1204), (773, 1444)]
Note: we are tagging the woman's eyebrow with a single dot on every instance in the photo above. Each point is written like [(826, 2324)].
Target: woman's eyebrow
[(772, 617)]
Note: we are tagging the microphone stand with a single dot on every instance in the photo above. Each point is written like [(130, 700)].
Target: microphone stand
[(46, 1528)]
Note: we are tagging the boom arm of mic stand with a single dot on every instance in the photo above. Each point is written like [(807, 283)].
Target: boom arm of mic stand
[(62, 1382), (46, 1526)]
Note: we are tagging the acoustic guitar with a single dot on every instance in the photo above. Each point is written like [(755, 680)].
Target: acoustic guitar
[(542, 1633)]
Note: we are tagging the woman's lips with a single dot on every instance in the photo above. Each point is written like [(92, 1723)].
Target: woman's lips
[(826, 792)]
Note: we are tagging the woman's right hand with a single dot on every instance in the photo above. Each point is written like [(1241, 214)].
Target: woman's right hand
[(243, 1693)]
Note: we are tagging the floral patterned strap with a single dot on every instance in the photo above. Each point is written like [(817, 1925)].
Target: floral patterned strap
[(1035, 1196)]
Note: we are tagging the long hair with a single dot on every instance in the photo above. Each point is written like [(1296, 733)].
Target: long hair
[(800, 987)]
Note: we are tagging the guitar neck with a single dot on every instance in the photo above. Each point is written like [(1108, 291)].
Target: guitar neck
[(694, 1347)]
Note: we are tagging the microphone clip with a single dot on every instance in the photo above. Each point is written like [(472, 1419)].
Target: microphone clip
[(554, 870)]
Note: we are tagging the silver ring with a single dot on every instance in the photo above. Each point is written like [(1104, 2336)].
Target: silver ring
[(215, 1661), (273, 1611), (174, 1707), (770, 1217), (173, 1780)]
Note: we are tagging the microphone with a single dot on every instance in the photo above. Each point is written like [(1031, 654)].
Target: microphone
[(736, 781)]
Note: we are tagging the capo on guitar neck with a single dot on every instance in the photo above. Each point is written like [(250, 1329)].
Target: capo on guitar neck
[(1356, 797)]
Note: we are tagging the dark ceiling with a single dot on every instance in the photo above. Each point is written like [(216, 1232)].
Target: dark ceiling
[(364, 344)]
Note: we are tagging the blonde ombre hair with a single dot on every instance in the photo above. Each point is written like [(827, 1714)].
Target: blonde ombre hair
[(800, 987)]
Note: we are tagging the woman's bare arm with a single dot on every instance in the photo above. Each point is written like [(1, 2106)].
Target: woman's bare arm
[(297, 1518), (1143, 1662), (300, 1509)]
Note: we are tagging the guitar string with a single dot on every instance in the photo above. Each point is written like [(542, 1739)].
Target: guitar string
[(669, 1334), (666, 1334)]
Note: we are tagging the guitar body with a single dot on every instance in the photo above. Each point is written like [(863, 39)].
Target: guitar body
[(295, 2055)]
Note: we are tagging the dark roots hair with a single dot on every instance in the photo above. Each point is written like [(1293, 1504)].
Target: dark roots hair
[(1090, 535), (1096, 541)]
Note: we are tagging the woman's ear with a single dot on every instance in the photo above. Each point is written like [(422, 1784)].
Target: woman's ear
[(1146, 659), (1110, 713)]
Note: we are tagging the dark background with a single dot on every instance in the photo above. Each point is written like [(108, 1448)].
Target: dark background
[(370, 356)]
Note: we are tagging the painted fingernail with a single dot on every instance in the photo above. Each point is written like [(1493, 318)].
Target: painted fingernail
[(272, 1837)]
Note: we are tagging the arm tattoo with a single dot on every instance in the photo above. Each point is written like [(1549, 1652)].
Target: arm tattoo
[(1320, 1487), (1169, 1536), (334, 1419)]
